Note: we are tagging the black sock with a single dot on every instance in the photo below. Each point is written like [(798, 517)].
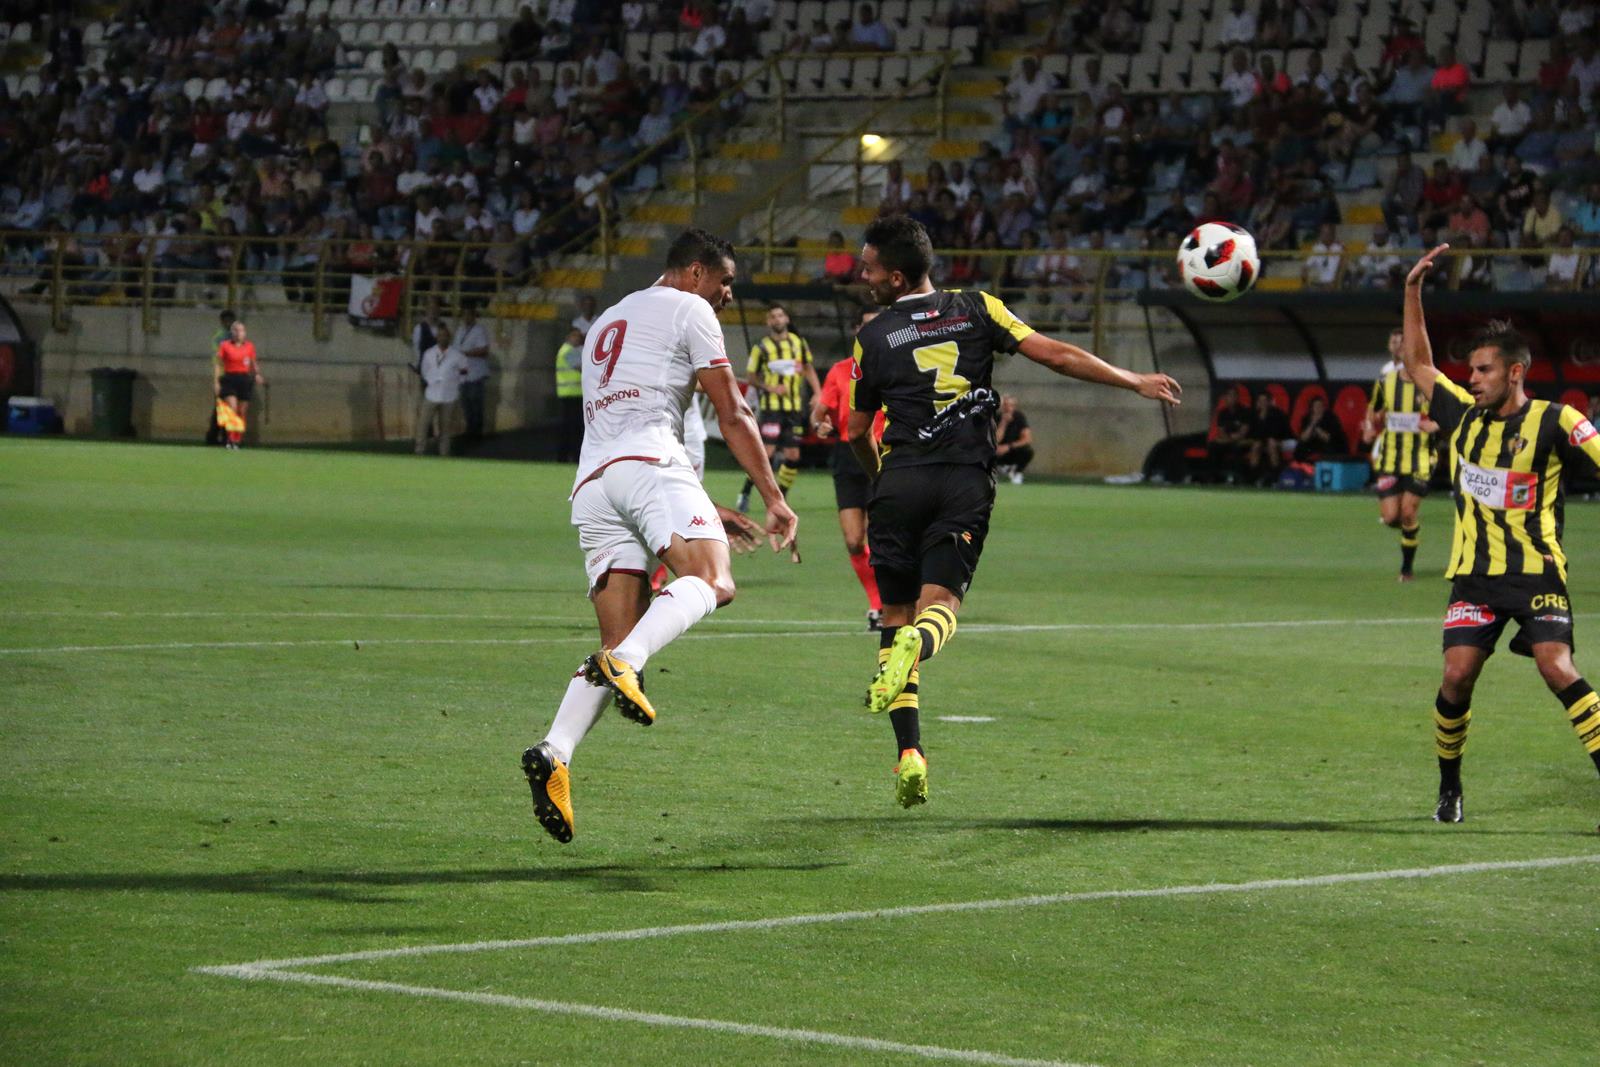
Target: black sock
[(907, 730), (1450, 721), (748, 485), (1408, 547)]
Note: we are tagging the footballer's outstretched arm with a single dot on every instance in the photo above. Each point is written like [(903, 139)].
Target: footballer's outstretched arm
[(1074, 362), (743, 438), (1414, 347)]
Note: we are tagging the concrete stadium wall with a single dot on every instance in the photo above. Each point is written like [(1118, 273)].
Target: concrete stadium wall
[(354, 387)]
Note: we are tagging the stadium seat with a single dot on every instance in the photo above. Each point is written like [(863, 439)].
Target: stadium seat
[(1186, 31), (335, 88), (294, 7), (438, 33), (416, 34), (424, 60), (636, 47), (1157, 31), (836, 75), (864, 73), (894, 73), (1580, 370), (446, 60), (373, 63), (1500, 61), (506, 10), (1279, 395), (194, 88), (488, 33), (1302, 404), (459, 9), (1205, 76), (94, 33), (412, 9), (662, 42), (1533, 56), (359, 90), (483, 9), (935, 38), (393, 33), (316, 9), (807, 13), (1174, 73), (1143, 71), (910, 38), (388, 9), (465, 35), (964, 39), (920, 70), (1344, 28), (1576, 398), (894, 11), (216, 89), (1350, 408), (370, 35), (920, 12), (339, 10), (364, 9)]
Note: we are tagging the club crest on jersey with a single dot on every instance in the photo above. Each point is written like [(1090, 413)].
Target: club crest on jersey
[(1582, 432), (1516, 444), (1462, 616)]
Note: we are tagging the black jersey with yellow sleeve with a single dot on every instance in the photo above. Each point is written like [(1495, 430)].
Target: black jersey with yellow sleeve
[(928, 363), (778, 362), (1506, 472), (1403, 447)]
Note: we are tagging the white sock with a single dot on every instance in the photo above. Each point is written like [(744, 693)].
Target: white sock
[(580, 710), (680, 605)]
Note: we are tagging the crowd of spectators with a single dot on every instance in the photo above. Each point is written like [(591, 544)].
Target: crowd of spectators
[(116, 164), (1088, 166)]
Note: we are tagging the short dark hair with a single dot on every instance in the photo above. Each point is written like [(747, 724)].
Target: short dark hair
[(1500, 335), (777, 305), (695, 245), (903, 245)]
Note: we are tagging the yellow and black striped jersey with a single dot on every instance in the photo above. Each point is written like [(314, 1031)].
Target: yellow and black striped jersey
[(1403, 447), (1507, 477), (928, 364), (776, 362)]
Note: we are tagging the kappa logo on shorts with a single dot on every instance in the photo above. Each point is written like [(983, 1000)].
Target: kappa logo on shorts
[(1461, 615)]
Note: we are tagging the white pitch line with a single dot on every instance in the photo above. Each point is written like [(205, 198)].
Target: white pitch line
[(823, 918), (647, 1018), (401, 615), (970, 628)]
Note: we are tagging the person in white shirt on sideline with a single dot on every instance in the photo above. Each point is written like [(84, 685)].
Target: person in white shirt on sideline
[(474, 344), (636, 496), (443, 369)]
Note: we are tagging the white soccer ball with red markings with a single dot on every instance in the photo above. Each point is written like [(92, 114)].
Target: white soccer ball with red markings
[(1218, 261)]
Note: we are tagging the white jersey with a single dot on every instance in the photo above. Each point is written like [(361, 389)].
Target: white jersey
[(639, 365)]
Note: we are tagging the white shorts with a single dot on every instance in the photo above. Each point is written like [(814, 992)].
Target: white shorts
[(697, 457), (627, 514)]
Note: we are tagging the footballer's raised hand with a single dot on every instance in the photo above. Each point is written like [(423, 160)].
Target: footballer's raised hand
[(1425, 264), (1160, 387), (782, 524)]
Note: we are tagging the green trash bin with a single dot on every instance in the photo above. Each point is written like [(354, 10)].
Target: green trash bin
[(113, 401)]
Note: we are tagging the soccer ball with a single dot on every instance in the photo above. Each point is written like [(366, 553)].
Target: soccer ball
[(1218, 261)]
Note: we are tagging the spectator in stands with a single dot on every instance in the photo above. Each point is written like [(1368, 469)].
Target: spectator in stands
[(1239, 84), (1238, 26), (870, 34), (587, 310), (1321, 434), (1268, 430), (839, 264), (1229, 448), (1585, 69), (1542, 221), (1562, 269), (1173, 221), (1584, 216), (1469, 148), (1467, 220), (1514, 196), (1321, 268), (1510, 119), (1403, 42), (1407, 90), (1441, 192), (1447, 89), (1027, 89), (473, 344), (1013, 441), (896, 190)]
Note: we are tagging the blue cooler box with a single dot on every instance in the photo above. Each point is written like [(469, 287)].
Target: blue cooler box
[(30, 415), (1334, 476)]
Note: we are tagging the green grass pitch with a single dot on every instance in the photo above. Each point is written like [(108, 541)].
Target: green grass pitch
[(244, 783)]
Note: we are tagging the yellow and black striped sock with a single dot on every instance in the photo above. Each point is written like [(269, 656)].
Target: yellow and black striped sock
[(903, 709), (1410, 538), (1450, 722), (786, 476), (1583, 709), (937, 624)]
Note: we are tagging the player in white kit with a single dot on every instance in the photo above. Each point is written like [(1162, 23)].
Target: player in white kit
[(637, 495)]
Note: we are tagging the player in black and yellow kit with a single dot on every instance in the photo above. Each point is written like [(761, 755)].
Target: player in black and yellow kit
[(927, 363), (780, 369), (1397, 417), (1506, 454)]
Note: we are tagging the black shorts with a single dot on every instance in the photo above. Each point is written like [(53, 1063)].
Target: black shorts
[(1388, 485), (1480, 608), (242, 386), (783, 428), (926, 525), (851, 486)]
